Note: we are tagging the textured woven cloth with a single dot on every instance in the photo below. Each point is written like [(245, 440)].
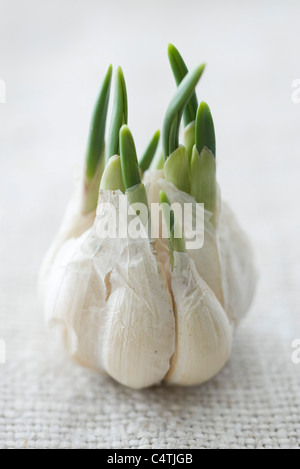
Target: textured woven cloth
[(47, 401)]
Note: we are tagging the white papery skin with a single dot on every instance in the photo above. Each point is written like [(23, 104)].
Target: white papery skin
[(78, 218), (74, 224), (203, 330), (239, 275), (109, 303)]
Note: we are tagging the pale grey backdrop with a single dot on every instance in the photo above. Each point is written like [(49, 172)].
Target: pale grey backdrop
[(52, 57)]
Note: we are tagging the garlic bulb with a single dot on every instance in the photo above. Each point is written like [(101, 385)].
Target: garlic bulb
[(128, 293)]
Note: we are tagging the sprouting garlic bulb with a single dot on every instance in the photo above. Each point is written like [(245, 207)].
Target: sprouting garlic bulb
[(146, 309), (111, 306)]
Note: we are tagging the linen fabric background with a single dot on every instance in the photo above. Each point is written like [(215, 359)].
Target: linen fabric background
[(53, 56)]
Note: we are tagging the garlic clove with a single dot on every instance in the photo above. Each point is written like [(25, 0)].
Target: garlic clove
[(75, 301), (203, 331), (138, 329), (239, 275)]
